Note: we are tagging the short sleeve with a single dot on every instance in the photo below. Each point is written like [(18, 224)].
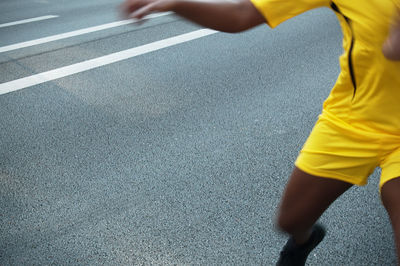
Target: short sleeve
[(278, 11)]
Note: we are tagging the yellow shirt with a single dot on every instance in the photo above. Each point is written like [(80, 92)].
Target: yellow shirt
[(367, 92)]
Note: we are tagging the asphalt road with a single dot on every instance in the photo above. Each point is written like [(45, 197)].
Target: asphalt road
[(173, 157)]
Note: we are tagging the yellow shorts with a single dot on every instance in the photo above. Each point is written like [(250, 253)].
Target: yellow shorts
[(337, 150)]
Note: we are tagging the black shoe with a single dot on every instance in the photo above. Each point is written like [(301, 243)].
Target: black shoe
[(296, 255)]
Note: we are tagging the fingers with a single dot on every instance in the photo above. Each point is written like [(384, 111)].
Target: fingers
[(142, 12), (130, 7), (137, 9)]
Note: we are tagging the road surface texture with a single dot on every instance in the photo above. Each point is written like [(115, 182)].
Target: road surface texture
[(175, 154)]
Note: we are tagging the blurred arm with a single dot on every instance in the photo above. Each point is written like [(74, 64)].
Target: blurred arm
[(391, 47), (221, 15)]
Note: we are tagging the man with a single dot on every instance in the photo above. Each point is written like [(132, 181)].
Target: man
[(359, 128)]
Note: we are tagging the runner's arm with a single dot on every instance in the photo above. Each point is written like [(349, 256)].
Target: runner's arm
[(391, 47), (221, 15)]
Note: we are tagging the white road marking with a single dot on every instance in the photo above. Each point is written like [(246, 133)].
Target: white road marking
[(27, 21), (75, 33), (43, 77)]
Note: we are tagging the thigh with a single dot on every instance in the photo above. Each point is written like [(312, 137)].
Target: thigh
[(305, 198), (390, 193), (390, 167)]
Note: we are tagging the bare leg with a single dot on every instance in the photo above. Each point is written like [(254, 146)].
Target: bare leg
[(304, 200), (390, 194)]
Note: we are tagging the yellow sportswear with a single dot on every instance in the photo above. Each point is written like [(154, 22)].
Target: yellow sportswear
[(367, 92)]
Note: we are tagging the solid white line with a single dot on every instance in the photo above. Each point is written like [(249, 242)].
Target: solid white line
[(22, 83), (75, 33), (27, 21)]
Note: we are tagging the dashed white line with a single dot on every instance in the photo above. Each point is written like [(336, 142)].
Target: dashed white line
[(27, 20), (74, 33), (29, 81)]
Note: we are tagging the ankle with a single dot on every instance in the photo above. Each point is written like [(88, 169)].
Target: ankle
[(302, 238)]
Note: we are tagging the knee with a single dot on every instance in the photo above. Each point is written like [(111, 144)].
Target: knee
[(285, 223), (391, 200), (292, 223)]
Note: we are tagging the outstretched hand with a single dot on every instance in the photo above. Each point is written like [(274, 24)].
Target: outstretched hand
[(138, 9)]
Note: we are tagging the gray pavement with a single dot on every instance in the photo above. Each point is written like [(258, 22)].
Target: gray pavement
[(176, 157)]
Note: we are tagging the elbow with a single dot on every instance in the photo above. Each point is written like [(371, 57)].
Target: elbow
[(247, 17), (235, 29), (242, 26)]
